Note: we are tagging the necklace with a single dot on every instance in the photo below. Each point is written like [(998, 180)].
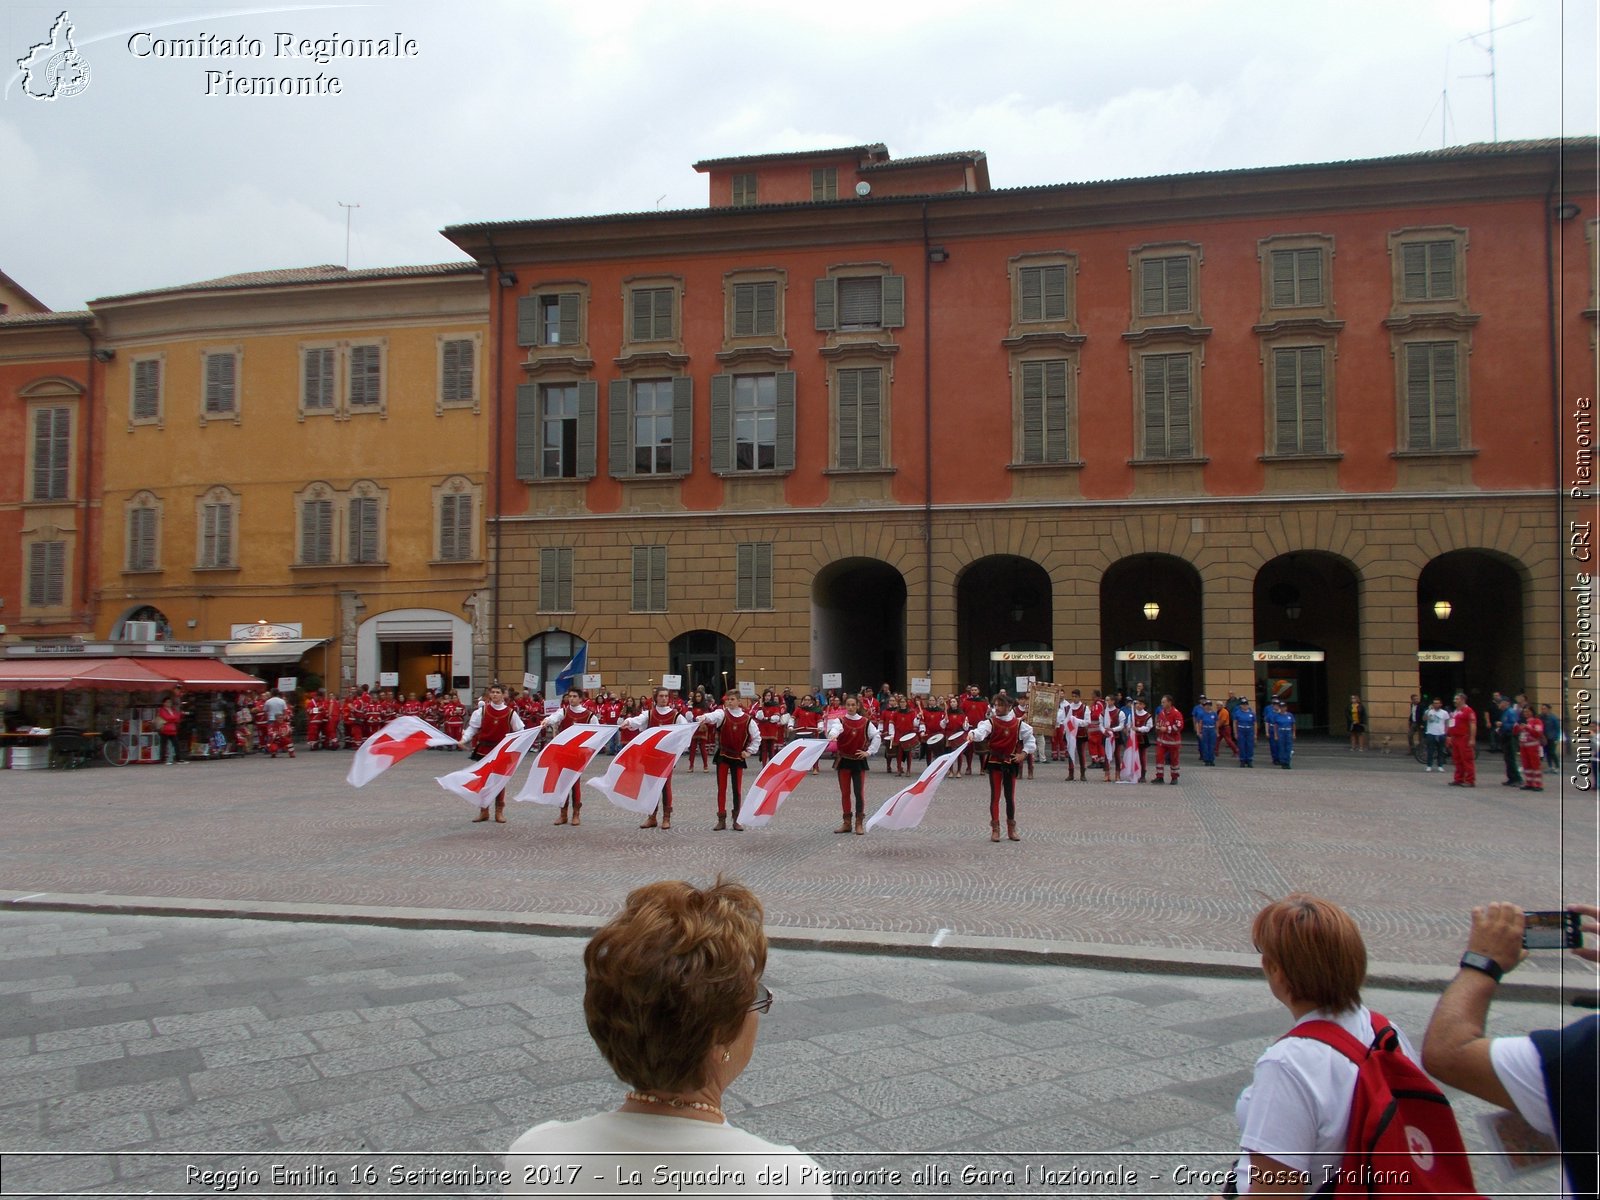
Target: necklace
[(697, 1105)]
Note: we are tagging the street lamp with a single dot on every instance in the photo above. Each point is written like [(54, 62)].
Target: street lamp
[(1442, 610), (1152, 610)]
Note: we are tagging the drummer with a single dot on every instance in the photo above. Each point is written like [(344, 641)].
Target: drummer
[(902, 730), (807, 722)]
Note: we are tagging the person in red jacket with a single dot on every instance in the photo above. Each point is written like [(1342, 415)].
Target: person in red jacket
[(771, 718), (1461, 733), (333, 716), (902, 730), (316, 718), (454, 716), (575, 710), (491, 722), (1169, 738), (974, 709), (855, 735), (1530, 744), (734, 728), (652, 716), (1008, 740)]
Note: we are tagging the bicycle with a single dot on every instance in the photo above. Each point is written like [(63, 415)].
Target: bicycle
[(1420, 751)]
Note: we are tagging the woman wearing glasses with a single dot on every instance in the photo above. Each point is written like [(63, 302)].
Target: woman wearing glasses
[(673, 1000)]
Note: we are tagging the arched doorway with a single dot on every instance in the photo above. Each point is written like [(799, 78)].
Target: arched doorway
[(705, 659), (1150, 627), (1469, 627), (142, 623), (1004, 615), (547, 655), (858, 623), (414, 643), (1307, 644)]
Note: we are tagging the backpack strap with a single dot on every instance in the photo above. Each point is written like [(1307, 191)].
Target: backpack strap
[(1341, 1039)]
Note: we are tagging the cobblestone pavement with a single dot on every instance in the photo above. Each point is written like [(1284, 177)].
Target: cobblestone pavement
[(1177, 869), (237, 1045)]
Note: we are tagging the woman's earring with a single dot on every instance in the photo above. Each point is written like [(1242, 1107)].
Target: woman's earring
[(726, 1056)]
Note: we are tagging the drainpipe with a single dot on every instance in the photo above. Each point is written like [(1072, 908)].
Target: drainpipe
[(1552, 230), (86, 482), (502, 280), (927, 449)]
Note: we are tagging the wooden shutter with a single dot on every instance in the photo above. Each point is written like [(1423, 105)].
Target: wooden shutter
[(1419, 409), (526, 435), (1055, 411), (47, 574), (456, 384), (528, 320), (568, 306), (588, 406), (1155, 406), (1308, 272), (893, 315), (619, 435), (825, 302), (216, 536), (753, 576), (141, 539), (1152, 293), (1313, 403), (147, 390), (1414, 271), (363, 530), (1286, 401), (1033, 412), (1177, 271), (316, 531), (1441, 270), (366, 378), (1446, 405), (722, 423), (1180, 433), (639, 301), (744, 309), (847, 404), (871, 418), (682, 424), (316, 379), (649, 578), (661, 300), (455, 526), (549, 567), (1283, 290), (783, 450), (52, 453), (1030, 294), (221, 384)]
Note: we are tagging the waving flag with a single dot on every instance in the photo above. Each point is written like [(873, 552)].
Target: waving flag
[(905, 809), (561, 764), (572, 674), (400, 738), (778, 778), (483, 781), (642, 768)]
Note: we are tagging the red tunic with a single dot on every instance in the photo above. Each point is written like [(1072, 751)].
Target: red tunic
[(853, 738), (575, 714), (1003, 737), (807, 720), (733, 735), (492, 727)]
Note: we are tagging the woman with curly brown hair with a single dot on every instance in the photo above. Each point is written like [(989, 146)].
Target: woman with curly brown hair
[(673, 1000)]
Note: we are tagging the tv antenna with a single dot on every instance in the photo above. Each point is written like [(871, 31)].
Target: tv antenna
[(1494, 92), (347, 212)]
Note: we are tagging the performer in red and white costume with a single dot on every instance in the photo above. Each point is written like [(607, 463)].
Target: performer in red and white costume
[(699, 706), (1071, 713), (737, 735), (1022, 715), (1169, 738), (772, 718), (1112, 723), (491, 721), (411, 707), (1530, 745), (1008, 740), (897, 722), (653, 716), (1144, 723), (574, 710), (857, 738), (974, 709), (1095, 723), (454, 716)]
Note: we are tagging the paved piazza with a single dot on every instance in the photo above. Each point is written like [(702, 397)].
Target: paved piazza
[(1178, 870)]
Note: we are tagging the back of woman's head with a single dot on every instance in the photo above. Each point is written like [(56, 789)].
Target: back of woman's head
[(670, 977), (1317, 946)]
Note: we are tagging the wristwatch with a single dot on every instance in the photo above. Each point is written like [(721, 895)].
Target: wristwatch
[(1482, 962)]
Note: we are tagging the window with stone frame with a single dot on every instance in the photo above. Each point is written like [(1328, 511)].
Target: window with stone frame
[(650, 424), (1434, 396), (50, 473), (754, 309), (316, 521), (753, 422), (1168, 406), (217, 521), (1300, 402), (1042, 293), (555, 579), (458, 372), (142, 533), (319, 379), (846, 301), (551, 317), (753, 577), (220, 377), (144, 404), (46, 574), (649, 579), (652, 314), (364, 529), (455, 519), (1045, 412), (858, 417), (364, 386), (1428, 266)]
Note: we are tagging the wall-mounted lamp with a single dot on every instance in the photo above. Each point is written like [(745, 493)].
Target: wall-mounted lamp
[(1292, 611), (1152, 610), (508, 279), (1442, 610), (938, 254), (104, 356), (1566, 211)]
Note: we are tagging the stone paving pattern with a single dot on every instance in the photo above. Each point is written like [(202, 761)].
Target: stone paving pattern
[(1176, 869), (249, 1040)]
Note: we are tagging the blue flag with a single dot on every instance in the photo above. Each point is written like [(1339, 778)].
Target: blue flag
[(572, 674)]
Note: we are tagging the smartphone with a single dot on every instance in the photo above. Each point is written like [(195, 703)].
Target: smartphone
[(1557, 930)]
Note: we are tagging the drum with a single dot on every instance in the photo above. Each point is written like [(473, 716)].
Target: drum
[(906, 740), (934, 739)]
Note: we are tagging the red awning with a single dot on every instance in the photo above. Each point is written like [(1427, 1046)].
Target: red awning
[(101, 674), (201, 674)]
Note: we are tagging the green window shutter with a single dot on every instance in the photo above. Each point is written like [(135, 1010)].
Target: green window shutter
[(528, 320), (1446, 411), (1055, 293), (894, 301), (767, 308), (1313, 422), (641, 302), (619, 443), (568, 306), (1155, 406), (763, 575), (220, 383), (744, 576), (1030, 294), (658, 579), (682, 425), (547, 579), (661, 312), (871, 418), (217, 536), (1309, 270), (1178, 285), (1419, 406), (1285, 402), (848, 404), (1414, 271), (825, 302), (527, 431), (1152, 293), (564, 556), (1283, 293), (588, 406), (783, 450), (744, 309), (1033, 412), (1180, 433), (1441, 270), (641, 579), (1055, 411), (721, 423)]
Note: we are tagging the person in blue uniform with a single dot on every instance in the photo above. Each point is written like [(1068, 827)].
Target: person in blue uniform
[(1244, 729), (1283, 745), (1205, 728)]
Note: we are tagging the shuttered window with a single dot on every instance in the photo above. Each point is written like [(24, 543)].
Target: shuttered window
[(316, 532), (147, 389), (753, 576), (549, 319), (216, 535), (744, 190), (1168, 406), (649, 579), (1428, 270), (455, 527), (860, 302), (1042, 294), (824, 183), (221, 384), (47, 574), (752, 422), (651, 319), (1164, 286), (318, 378), (755, 309), (559, 443), (366, 377), (457, 359), (859, 417), (1045, 436), (1433, 402), (1296, 278), (363, 532), (52, 453), (142, 539), (1299, 401), (652, 427), (555, 579), (555, 430)]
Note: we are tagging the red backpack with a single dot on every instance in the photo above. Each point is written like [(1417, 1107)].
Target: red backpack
[(1403, 1139)]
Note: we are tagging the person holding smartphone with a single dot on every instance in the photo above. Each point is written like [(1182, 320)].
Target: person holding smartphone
[(1550, 1077)]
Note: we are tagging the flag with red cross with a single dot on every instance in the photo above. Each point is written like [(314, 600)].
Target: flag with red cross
[(642, 769), (781, 775), (400, 738), (906, 808), (562, 763), (484, 780)]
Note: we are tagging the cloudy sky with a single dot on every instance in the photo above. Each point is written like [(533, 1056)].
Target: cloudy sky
[(532, 109)]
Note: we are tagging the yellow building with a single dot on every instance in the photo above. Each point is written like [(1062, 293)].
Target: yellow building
[(295, 464)]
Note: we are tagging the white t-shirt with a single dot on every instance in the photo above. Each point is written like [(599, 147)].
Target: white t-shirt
[(1435, 721), (676, 1156), (275, 707), (1516, 1062), (1297, 1109)]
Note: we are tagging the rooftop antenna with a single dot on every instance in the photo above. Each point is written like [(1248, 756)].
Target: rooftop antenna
[(1441, 105), (1494, 91), (347, 211)]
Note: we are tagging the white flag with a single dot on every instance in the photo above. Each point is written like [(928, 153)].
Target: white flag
[(781, 775), (483, 781), (561, 764), (643, 768), (905, 809), (400, 738)]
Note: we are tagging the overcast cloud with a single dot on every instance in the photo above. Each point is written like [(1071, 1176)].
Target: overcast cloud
[(540, 109)]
